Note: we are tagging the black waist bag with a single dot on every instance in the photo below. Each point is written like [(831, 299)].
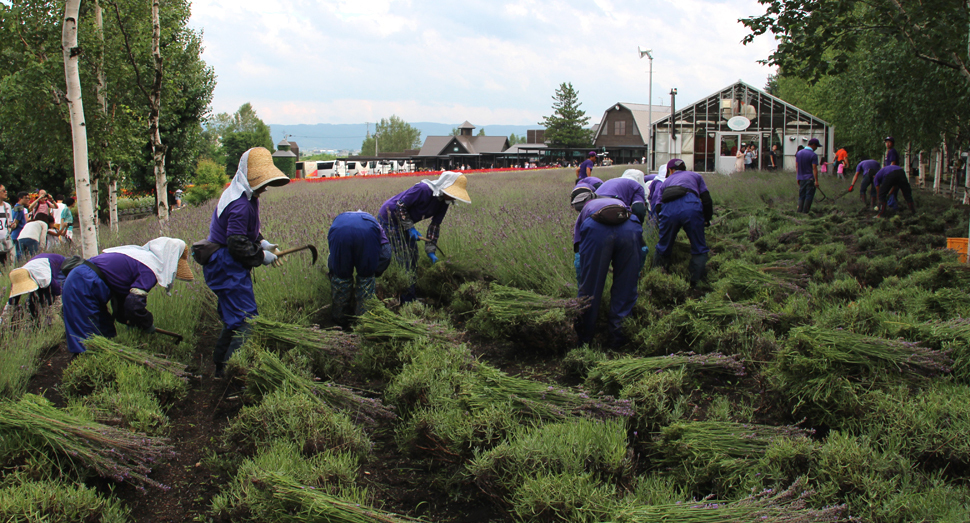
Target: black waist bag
[(203, 250), (612, 215)]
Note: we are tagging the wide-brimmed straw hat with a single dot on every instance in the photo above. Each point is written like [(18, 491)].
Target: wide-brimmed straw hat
[(183, 272), (458, 190), (21, 282), (261, 171)]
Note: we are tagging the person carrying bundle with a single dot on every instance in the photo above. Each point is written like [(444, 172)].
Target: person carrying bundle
[(426, 199), (684, 203), (357, 242), (235, 246), (607, 233), (39, 282), (888, 180), (123, 276), (868, 168)]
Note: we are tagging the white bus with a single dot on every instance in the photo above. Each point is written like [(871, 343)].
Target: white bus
[(317, 169)]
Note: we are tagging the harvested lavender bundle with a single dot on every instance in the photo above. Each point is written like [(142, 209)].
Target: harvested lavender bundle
[(338, 344), (381, 325), (101, 345), (526, 317), (270, 374), (618, 373), (111, 453)]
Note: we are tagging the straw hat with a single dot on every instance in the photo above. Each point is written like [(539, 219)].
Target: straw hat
[(458, 190), (21, 282), (183, 272), (261, 171)]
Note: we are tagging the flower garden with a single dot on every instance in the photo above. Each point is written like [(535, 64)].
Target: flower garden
[(823, 374)]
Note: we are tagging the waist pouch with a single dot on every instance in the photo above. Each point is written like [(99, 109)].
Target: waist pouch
[(674, 192), (203, 250), (612, 215)]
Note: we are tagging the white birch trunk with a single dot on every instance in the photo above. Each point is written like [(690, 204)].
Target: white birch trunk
[(82, 181), (922, 170), (937, 171), (113, 201), (966, 182), (908, 167), (158, 149)]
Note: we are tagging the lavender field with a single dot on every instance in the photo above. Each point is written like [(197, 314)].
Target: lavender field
[(822, 374)]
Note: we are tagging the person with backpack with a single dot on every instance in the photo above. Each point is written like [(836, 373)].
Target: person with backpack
[(607, 234), (685, 203), (38, 282), (122, 276)]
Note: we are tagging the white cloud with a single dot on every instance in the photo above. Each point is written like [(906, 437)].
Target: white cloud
[(349, 61)]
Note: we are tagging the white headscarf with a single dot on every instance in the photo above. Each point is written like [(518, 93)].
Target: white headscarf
[(161, 255), (238, 186), (443, 182), (40, 271), (635, 175), (661, 176)]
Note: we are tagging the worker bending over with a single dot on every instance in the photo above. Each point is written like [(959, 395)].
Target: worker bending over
[(684, 203), (357, 242), (888, 180)]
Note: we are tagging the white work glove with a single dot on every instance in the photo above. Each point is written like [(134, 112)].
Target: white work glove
[(271, 259), (267, 246)]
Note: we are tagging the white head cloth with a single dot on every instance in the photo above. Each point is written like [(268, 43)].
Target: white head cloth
[(661, 176), (161, 255), (40, 272), (635, 175), (238, 186), (446, 180)]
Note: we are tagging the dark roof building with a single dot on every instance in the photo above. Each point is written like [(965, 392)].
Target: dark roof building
[(447, 152)]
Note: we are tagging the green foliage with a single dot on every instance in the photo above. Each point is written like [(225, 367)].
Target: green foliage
[(23, 343), (57, 502), (391, 135), (240, 132), (564, 128)]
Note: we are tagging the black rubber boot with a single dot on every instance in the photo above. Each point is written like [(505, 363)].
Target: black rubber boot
[(912, 207), (801, 205), (697, 268), (661, 262)]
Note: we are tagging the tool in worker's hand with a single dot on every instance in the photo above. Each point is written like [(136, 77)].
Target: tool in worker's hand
[(311, 248), (422, 238), (177, 336)]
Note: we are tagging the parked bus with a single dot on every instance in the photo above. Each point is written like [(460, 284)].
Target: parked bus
[(319, 169)]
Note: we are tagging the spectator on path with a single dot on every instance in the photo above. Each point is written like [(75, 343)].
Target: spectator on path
[(806, 174), (892, 156), (426, 199), (586, 168), (773, 157), (178, 198), (889, 180), (235, 246), (739, 159), (6, 220), (357, 242), (38, 282), (607, 234), (685, 203), (66, 230), (19, 219), (123, 276), (868, 168), (842, 158), (749, 158), (42, 205), (33, 237)]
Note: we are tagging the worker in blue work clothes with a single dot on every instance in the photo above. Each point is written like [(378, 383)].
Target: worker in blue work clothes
[(122, 276), (890, 180), (426, 199), (684, 203), (868, 169), (806, 174), (357, 242), (236, 246), (628, 189), (607, 233), (590, 181)]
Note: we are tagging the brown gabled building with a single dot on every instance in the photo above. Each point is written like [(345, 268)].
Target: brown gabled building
[(623, 131), (449, 152)]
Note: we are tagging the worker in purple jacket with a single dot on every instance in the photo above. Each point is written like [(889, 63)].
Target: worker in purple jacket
[(892, 155), (629, 189), (38, 281), (590, 181), (235, 229), (357, 243), (426, 199), (806, 174), (123, 276), (868, 169), (607, 233), (684, 203), (888, 180), (585, 169)]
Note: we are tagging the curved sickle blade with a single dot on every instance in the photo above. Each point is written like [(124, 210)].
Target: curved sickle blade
[(313, 251), (311, 248)]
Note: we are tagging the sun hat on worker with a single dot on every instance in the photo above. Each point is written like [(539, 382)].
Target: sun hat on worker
[(676, 165), (21, 282), (256, 170), (889, 139), (635, 175), (815, 142), (451, 184), (166, 257)]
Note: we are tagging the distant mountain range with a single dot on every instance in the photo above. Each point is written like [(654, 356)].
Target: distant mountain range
[(350, 136)]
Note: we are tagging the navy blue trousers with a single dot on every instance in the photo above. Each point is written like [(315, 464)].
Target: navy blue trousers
[(683, 213), (84, 303), (232, 284), (599, 247)]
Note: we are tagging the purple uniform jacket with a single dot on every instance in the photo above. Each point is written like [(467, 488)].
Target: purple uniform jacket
[(891, 156), (55, 261), (420, 203), (654, 186), (624, 189), (240, 217), (124, 273), (591, 207), (804, 160), (885, 171), (867, 165), (583, 166), (589, 181), (686, 179)]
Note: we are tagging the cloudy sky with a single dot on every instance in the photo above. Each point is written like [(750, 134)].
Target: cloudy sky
[(486, 61)]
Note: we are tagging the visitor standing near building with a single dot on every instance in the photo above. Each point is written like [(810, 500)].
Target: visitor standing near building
[(357, 243), (426, 199), (586, 168), (122, 276), (235, 246), (685, 203), (806, 174), (892, 155), (842, 158), (7, 250), (19, 219), (773, 157)]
